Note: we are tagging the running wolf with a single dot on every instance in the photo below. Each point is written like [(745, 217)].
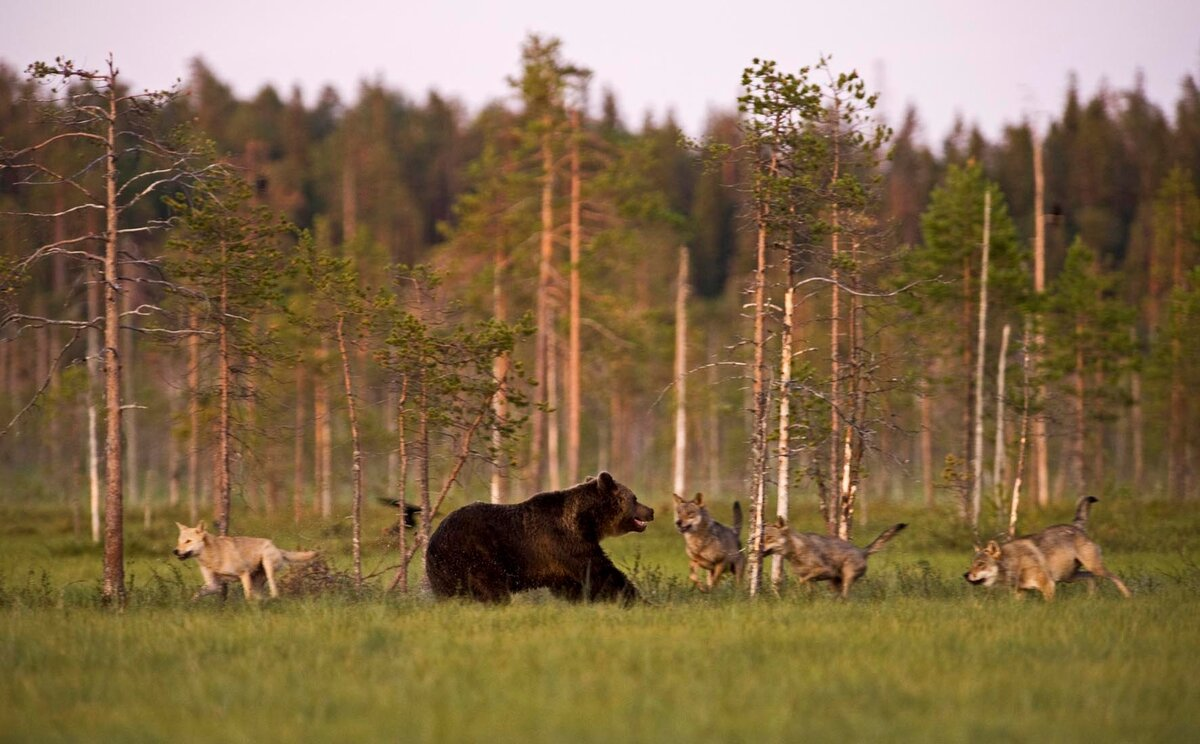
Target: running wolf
[(710, 545), (821, 557), (224, 558), (1066, 554), (1017, 564)]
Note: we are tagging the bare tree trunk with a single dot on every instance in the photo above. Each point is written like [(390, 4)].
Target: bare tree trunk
[(544, 329), (573, 343), (423, 476), (926, 404), (193, 420), (758, 467), (93, 395), (999, 460), (323, 437), (980, 353), (298, 449), (835, 366), (500, 371), (553, 458), (223, 495), (172, 446), (782, 482), (401, 578), (679, 462), (133, 469), (1015, 504), (113, 589), (1041, 455), (356, 467)]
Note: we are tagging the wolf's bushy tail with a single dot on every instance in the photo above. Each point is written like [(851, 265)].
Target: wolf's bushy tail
[(1083, 510), (737, 517), (298, 556), (877, 544)]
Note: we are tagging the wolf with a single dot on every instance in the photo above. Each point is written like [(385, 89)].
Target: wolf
[(1018, 564), (823, 558), (710, 545), (1071, 554), (245, 558)]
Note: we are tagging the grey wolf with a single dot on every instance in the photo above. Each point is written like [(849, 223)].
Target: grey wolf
[(226, 558), (816, 557), (1018, 564), (1068, 553), (710, 545), (486, 552)]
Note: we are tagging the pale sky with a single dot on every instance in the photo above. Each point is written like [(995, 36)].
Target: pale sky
[(993, 63)]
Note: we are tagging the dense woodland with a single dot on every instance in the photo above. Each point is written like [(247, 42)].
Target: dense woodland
[(320, 302)]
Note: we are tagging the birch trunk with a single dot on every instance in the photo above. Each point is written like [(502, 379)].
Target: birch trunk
[(113, 588), (1000, 456), (224, 382), (759, 443), (679, 464), (356, 467), (980, 352), (93, 395), (782, 482), (1015, 504), (193, 420)]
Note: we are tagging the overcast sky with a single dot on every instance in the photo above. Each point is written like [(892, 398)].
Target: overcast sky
[(990, 62)]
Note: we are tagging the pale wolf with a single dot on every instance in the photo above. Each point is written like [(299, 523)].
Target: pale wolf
[(1017, 564), (1066, 551), (244, 558), (816, 557), (710, 545)]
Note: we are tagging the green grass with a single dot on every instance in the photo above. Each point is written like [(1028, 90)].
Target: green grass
[(915, 655)]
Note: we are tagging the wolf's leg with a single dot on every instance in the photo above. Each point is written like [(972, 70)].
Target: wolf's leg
[(714, 576), (269, 568), (247, 585), (211, 585), (1089, 556)]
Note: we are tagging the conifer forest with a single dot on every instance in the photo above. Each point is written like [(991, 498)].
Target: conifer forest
[(217, 306)]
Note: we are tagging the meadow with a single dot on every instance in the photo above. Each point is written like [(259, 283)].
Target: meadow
[(916, 654)]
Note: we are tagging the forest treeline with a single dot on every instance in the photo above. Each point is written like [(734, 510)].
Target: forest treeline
[(321, 300)]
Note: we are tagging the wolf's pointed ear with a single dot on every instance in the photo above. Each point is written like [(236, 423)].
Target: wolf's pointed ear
[(780, 521), (699, 499), (200, 527), (993, 548), (678, 500), (182, 527), (976, 546)]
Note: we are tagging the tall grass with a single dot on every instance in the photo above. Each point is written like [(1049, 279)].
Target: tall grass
[(914, 655)]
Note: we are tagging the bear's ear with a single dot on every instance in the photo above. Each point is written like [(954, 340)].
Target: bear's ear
[(589, 479), (606, 481), (699, 499)]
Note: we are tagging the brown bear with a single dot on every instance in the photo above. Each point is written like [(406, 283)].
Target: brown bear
[(552, 540)]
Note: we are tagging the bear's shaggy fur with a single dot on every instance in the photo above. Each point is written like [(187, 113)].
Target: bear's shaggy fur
[(552, 540)]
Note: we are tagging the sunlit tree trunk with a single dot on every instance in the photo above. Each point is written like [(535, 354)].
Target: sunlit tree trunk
[(543, 312), (1015, 503), (323, 438), (573, 343), (193, 345), (1176, 442), (113, 588), (1000, 458), (93, 395), (1041, 457), (782, 478), (980, 352), (356, 467), (223, 495), (758, 467), (679, 461), (499, 480), (298, 448)]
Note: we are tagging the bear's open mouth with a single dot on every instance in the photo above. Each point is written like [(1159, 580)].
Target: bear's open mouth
[(638, 525)]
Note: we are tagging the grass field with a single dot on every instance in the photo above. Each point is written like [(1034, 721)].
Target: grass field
[(915, 655)]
